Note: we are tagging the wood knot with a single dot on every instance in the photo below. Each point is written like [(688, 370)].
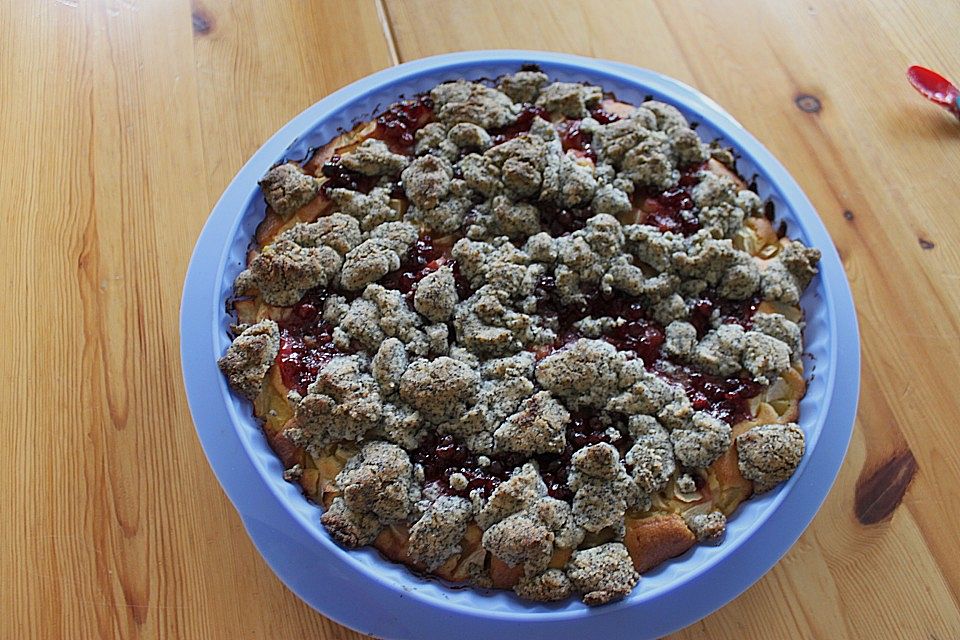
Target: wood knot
[(808, 103), (880, 491), (926, 244), (202, 21)]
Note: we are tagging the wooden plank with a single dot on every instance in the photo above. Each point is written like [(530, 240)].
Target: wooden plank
[(878, 164), (122, 122)]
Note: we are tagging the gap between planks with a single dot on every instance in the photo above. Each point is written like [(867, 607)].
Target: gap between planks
[(383, 14)]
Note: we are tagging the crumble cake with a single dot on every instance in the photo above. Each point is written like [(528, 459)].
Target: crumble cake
[(523, 335)]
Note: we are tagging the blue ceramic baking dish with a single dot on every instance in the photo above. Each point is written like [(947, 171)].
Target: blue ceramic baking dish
[(368, 593)]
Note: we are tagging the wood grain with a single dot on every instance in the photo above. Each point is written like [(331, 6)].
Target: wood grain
[(874, 152), (122, 122)]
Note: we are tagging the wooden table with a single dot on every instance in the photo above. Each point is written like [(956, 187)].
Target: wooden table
[(121, 121)]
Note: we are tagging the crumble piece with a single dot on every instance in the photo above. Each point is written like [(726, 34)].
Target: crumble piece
[(439, 388), (749, 202), (286, 188), (687, 147), (370, 209), (557, 515), (523, 86), (649, 164), (368, 262), (602, 574), (801, 261), (438, 342), (604, 235), (686, 484), (676, 414), (497, 399), (611, 142), (469, 136), (583, 375), (427, 181), (742, 279), (667, 116), (448, 215), (708, 527), (779, 327), (603, 489), (706, 258), (374, 158), (538, 427), (609, 199), (520, 539), (566, 182), (520, 491), (528, 537), (651, 455), (788, 274), (337, 231), (725, 218), (720, 350), (550, 586), (644, 393), (399, 236), (361, 322), (769, 454), (519, 365), (388, 365), (640, 155), (700, 442), (437, 534), (378, 255), (681, 340), (669, 309), (432, 139), (343, 403), (436, 295), (541, 248), (334, 308), (652, 247), (713, 190), (249, 357), (514, 168), (486, 324), (570, 99), (504, 217), (481, 176), (350, 528), (764, 357), (401, 426), (284, 271), (625, 277), (379, 480), (472, 102)]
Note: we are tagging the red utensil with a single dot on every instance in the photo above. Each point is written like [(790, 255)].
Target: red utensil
[(935, 88)]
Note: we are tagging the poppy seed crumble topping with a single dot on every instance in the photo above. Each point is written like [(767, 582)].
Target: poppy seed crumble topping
[(522, 335)]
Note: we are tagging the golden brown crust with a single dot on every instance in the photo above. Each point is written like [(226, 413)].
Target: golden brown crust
[(503, 575), (732, 488), (654, 539), (392, 543)]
